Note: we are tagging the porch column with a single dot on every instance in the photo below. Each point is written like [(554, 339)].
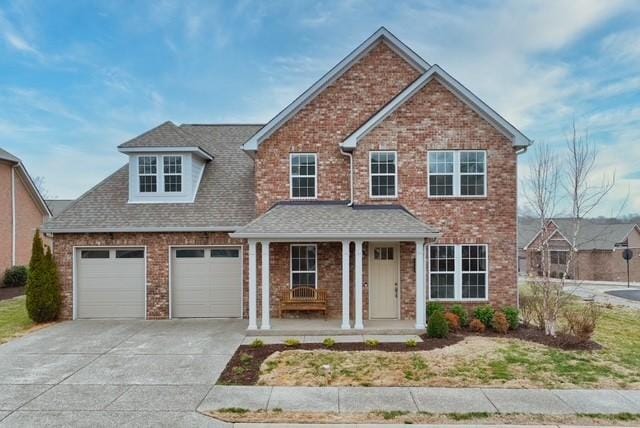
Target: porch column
[(358, 282), (346, 324), (265, 325), (420, 288), (253, 325)]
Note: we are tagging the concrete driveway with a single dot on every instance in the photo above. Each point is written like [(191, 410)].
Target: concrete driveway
[(115, 373)]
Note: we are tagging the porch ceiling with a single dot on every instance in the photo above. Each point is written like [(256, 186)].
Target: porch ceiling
[(336, 221)]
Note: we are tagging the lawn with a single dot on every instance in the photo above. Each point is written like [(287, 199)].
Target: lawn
[(475, 361), (14, 320)]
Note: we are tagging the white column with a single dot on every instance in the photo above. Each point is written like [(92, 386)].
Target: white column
[(265, 325), (420, 288), (346, 323), (253, 325), (358, 282)]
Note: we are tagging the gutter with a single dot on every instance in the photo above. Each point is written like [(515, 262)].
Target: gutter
[(350, 155), (13, 214), (169, 229)]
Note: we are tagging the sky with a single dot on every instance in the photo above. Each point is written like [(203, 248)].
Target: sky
[(78, 78)]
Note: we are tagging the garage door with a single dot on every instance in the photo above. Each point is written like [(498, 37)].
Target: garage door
[(110, 283), (206, 282)]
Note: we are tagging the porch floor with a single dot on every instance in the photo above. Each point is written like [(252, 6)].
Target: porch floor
[(331, 327)]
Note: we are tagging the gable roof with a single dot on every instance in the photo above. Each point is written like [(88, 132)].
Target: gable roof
[(165, 136), (57, 206), (224, 201), (517, 138), (31, 186), (382, 35)]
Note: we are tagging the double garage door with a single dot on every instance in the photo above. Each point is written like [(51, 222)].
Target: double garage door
[(205, 282)]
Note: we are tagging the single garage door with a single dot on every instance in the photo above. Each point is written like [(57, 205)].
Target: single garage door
[(110, 283), (206, 282)]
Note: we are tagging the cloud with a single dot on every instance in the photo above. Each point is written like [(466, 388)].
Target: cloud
[(15, 40)]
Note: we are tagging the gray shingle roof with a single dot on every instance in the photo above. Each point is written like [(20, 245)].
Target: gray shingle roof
[(5, 155), (334, 220), (527, 229), (225, 198), (166, 135), (57, 206)]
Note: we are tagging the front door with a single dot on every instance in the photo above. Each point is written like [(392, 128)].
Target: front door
[(383, 280)]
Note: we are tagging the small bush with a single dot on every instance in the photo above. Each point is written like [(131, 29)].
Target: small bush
[(433, 307), (437, 325), (15, 276), (257, 343), (43, 286), (476, 326), (329, 343), (292, 343), (513, 317), (411, 343), (462, 314), (485, 314), (372, 343), (500, 323), (453, 321), (582, 320), (245, 358)]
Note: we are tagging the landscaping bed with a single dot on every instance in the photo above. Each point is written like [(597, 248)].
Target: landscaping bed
[(11, 292)]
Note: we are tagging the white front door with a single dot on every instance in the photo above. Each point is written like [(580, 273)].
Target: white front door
[(384, 286)]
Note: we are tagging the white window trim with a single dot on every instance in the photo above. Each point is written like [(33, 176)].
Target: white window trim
[(315, 246), (457, 276), (395, 174), (160, 175), (457, 174), (139, 175), (292, 176), (558, 250), (181, 174)]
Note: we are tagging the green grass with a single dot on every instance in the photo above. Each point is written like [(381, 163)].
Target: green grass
[(13, 318)]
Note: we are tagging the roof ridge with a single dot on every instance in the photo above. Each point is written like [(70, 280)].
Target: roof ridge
[(221, 124)]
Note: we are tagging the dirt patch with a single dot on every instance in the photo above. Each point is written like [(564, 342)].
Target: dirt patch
[(10, 292), (561, 341)]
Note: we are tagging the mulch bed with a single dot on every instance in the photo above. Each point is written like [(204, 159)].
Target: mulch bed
[(243, 370), (10, 292)]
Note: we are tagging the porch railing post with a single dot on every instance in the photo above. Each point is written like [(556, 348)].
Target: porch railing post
[(253, 324), (358, 283), (420, 286), (265, 325), (346, 322)]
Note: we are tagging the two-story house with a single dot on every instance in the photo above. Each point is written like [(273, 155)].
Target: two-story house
[(384, 185)]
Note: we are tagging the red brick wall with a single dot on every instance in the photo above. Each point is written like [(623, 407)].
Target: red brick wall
[(157, 262)]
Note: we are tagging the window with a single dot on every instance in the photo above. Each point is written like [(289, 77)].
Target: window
[(457, 173), (383, 253), (129, 254), (172, 173), (558, 257), (189, 254), (303, 266), (303, 176), (147, 174), (225, 253), (458, 272), (383, 174), (94, 254)]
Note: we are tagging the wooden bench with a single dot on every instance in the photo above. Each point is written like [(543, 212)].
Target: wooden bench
[(303, 299)]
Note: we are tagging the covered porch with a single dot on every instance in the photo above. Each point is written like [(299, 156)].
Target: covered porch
[(350, 237)]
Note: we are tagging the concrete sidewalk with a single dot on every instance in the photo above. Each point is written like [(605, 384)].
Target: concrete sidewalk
[(416, 399)]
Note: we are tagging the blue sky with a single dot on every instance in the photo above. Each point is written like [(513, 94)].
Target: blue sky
[(78, 78)]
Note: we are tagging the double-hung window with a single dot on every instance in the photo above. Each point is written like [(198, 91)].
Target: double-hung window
[(303, 266), (147, 174), (383, 174), (172, 173), (458, 272), (558, 257), (303, 175), (461, 173)]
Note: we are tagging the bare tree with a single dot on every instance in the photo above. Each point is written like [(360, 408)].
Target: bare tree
[(39, 182)]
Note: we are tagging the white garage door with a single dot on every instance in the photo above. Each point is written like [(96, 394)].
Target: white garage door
[(206, 282), (110, 283)]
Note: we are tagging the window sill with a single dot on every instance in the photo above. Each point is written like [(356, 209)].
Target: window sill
[(459, 300), (464, 198)]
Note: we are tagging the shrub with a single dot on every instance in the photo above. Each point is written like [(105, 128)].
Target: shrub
[(15, 276), (513, 316), (411, 343), (292, 343), (500, 323), (437, 325), (582, 320), (433, 307), (372, 343), (532, 310), (245, 358), (328, 342), (452, 321), (43, 289), (257, 343), (485, 314), (462, 314), (476, 326)]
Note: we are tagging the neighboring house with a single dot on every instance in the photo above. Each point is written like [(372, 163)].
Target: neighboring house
[(57, 206), (385, 184), (527, 229), (22, 211), (598, 250)]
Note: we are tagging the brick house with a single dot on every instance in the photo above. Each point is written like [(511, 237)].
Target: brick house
[(22, 211), (598, 250), (387, 183)]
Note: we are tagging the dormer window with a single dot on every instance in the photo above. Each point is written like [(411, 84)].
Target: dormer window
[(172, 173), (148, 174)]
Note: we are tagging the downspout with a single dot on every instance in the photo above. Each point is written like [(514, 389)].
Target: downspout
[(13, 215), (350, 155)]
